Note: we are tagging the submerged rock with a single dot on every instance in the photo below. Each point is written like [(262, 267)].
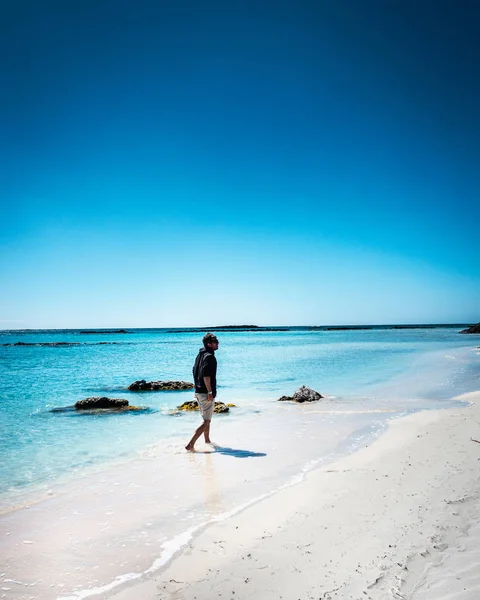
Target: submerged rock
[(472, 329), (218, 408), (303, 394), (99, 406), (100, 402), (146, 386)]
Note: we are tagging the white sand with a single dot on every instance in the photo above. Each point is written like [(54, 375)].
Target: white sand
[(398, 519)]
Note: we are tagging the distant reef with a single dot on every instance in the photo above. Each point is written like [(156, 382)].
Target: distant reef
[(342, 328), (369, 327), (227, 328), (234, 327), (472, 329), (58, 344), (89, 331)]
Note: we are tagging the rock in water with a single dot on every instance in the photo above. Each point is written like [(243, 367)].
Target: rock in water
[(100, 402), (303, 394), (218, 408), (472, 329), (146, 386)]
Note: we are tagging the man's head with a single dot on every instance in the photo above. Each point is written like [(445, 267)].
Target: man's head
[(210, 341)]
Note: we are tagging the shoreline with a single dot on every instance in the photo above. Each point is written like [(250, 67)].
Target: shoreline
[(376, 522), (96, 533), (43, 447), (120, 529)]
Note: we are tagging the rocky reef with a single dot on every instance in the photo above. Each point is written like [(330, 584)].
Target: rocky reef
[(59, 344), (472, 329), (218, 408), (100, 402), (303, 394), (148, 386)]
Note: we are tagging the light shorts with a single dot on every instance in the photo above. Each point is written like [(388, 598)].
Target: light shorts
[(205, 405)]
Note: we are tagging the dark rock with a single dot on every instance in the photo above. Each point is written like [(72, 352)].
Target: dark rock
[(190, 405), (100, 402), (145, 386), (472, 329), (303, 394)]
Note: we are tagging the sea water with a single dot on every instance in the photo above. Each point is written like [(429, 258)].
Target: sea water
[(121, 488), (255, 369)]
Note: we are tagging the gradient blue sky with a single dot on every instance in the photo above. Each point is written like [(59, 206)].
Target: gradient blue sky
[(203, 163)]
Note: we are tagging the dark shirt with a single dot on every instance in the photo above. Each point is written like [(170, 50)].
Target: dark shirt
[(205, 366)]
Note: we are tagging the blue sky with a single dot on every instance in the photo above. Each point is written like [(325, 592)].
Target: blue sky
[(186, 163)]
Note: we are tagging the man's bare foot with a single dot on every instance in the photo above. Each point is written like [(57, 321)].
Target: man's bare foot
[(189, 448)]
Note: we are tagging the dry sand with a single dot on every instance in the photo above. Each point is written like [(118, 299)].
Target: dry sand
[(397, 519)]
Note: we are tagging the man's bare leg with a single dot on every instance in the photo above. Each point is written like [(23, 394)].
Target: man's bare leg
[(206, 433), (196, 435)]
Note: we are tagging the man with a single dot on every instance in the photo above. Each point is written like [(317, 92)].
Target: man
[(205, 377)]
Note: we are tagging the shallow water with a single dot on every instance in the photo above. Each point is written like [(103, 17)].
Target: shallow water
[(112, 497), (254, 370)]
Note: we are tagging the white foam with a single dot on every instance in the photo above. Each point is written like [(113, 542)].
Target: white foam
[(104, 588)]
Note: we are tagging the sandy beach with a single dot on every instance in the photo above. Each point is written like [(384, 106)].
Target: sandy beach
[(397, 519)]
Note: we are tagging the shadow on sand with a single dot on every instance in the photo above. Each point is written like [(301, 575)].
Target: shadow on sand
[(237, 453)]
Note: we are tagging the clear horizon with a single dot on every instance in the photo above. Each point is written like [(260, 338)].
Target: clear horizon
[(178, 163)]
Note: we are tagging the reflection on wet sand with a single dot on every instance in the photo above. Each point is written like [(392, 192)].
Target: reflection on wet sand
[(213, 497)]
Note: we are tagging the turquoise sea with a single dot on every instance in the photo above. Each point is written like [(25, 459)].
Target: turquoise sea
[(112, 497), (255, 368)]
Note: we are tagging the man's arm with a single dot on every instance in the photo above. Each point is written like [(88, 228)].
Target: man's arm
[(208, 385)]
